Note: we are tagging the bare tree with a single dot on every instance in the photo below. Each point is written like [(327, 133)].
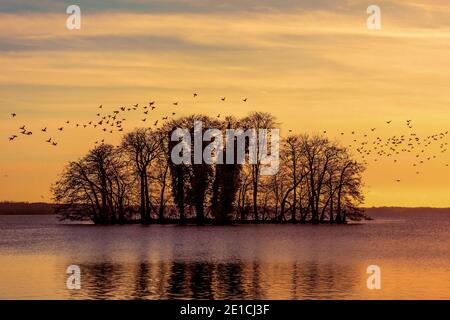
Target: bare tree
[(142, 147), (95, 187), (257, 121)]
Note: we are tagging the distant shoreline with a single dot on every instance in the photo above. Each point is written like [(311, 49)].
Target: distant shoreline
[(43, 208), (26, 208)]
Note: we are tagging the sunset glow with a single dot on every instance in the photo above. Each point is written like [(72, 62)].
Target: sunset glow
[(312, 64)]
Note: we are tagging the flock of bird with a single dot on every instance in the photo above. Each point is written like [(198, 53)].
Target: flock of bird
[(369, 146), (108, 122), (372, 147)]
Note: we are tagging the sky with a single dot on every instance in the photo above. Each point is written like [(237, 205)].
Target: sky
[(313, 64)]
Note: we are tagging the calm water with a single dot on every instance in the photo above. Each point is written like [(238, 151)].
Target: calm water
[(251, 262)]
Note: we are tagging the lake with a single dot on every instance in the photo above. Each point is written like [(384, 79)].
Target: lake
[(232, 262)]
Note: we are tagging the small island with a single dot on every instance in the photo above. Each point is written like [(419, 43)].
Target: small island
[(317, 181)]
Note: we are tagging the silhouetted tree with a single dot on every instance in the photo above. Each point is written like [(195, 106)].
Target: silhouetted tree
[(142, 146), (95, 187), (226, 183), (257, 121)]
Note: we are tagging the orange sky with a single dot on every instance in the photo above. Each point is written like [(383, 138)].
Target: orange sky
[(314, 65)]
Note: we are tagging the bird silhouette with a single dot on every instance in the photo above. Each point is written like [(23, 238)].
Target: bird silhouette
[(13, 115), (245, 100), (223, 99), (195, 95), (44, 129)]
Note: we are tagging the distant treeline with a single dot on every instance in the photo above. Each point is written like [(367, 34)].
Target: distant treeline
[(318, 181), (25, 208)]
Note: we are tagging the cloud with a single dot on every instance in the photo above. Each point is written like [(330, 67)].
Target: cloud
[(172, 6)]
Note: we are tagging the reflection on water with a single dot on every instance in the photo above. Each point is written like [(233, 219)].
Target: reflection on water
[(237, 262), (203, 280)]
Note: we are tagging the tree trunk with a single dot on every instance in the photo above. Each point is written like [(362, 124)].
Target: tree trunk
[(161, 196), (148, 205), (142, 208), (255, 199), (331, 210)]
